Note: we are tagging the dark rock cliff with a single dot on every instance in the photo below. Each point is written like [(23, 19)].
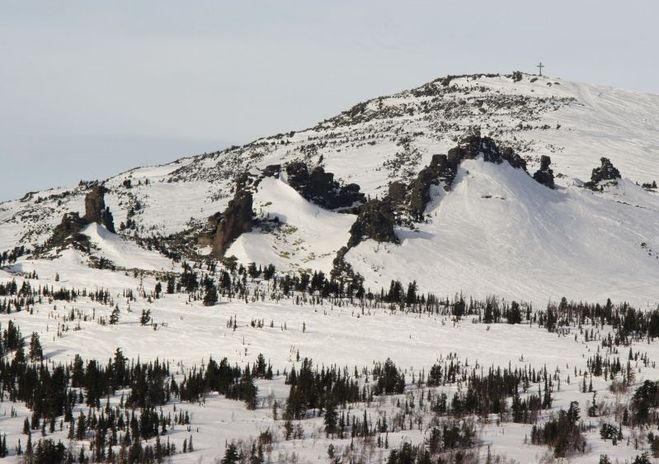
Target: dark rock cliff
[(236, 219), (95, 209)]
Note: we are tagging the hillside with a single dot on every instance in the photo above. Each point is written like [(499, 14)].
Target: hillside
[(385, 287), (520, 239)]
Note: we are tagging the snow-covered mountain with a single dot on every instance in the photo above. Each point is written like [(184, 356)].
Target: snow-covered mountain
[(494, 230), (488, 191)]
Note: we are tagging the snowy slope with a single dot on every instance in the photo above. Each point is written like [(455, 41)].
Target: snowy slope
[(308, 238), (187, 332), (124, 253), (498, 232)]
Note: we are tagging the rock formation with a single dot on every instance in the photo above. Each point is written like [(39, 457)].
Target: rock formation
[(272, 170), (474, 145), (513, 158), (418, 192), (410, 201), (236, 219), (545, 175), (95, 209), (320, 187), (375, 221), (606, 171), (68, 232), (397, 193)]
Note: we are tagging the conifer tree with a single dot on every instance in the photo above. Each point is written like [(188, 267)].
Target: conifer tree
[(114, 317), (331, 418), (231, 455), (146, 317), (210, 297), (36, 352)]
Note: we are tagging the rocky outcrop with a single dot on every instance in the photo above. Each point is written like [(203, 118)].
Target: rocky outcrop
[(545, 175), (375, 221), (409, 202), (95, 209), (272, 170), (418, 192), (397, 193), (513, 158), (68, 232), (236, 219), (474, 145), (606, 171), (320, 187)]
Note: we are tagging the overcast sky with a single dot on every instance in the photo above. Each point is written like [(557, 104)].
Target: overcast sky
[(88, 89)]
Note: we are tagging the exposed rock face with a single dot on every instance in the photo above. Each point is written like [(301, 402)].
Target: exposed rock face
[(474, 145), (68, 231), (377, 218), (513, 158), (375, 221), (606, 171), (236, 219), (95, 209), (418, 196), (320, 187), (272, 170), (412, 200), (397, 193), (545, 175)]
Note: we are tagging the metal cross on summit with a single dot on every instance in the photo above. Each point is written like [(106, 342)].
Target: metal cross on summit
[(540, 66)]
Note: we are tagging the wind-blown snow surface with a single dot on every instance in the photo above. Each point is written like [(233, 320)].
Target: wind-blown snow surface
[(499, 232)]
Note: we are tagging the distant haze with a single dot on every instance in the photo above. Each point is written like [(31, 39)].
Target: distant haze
[(90, 89)]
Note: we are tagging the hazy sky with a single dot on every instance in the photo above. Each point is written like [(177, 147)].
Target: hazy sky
[(88, 89)]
